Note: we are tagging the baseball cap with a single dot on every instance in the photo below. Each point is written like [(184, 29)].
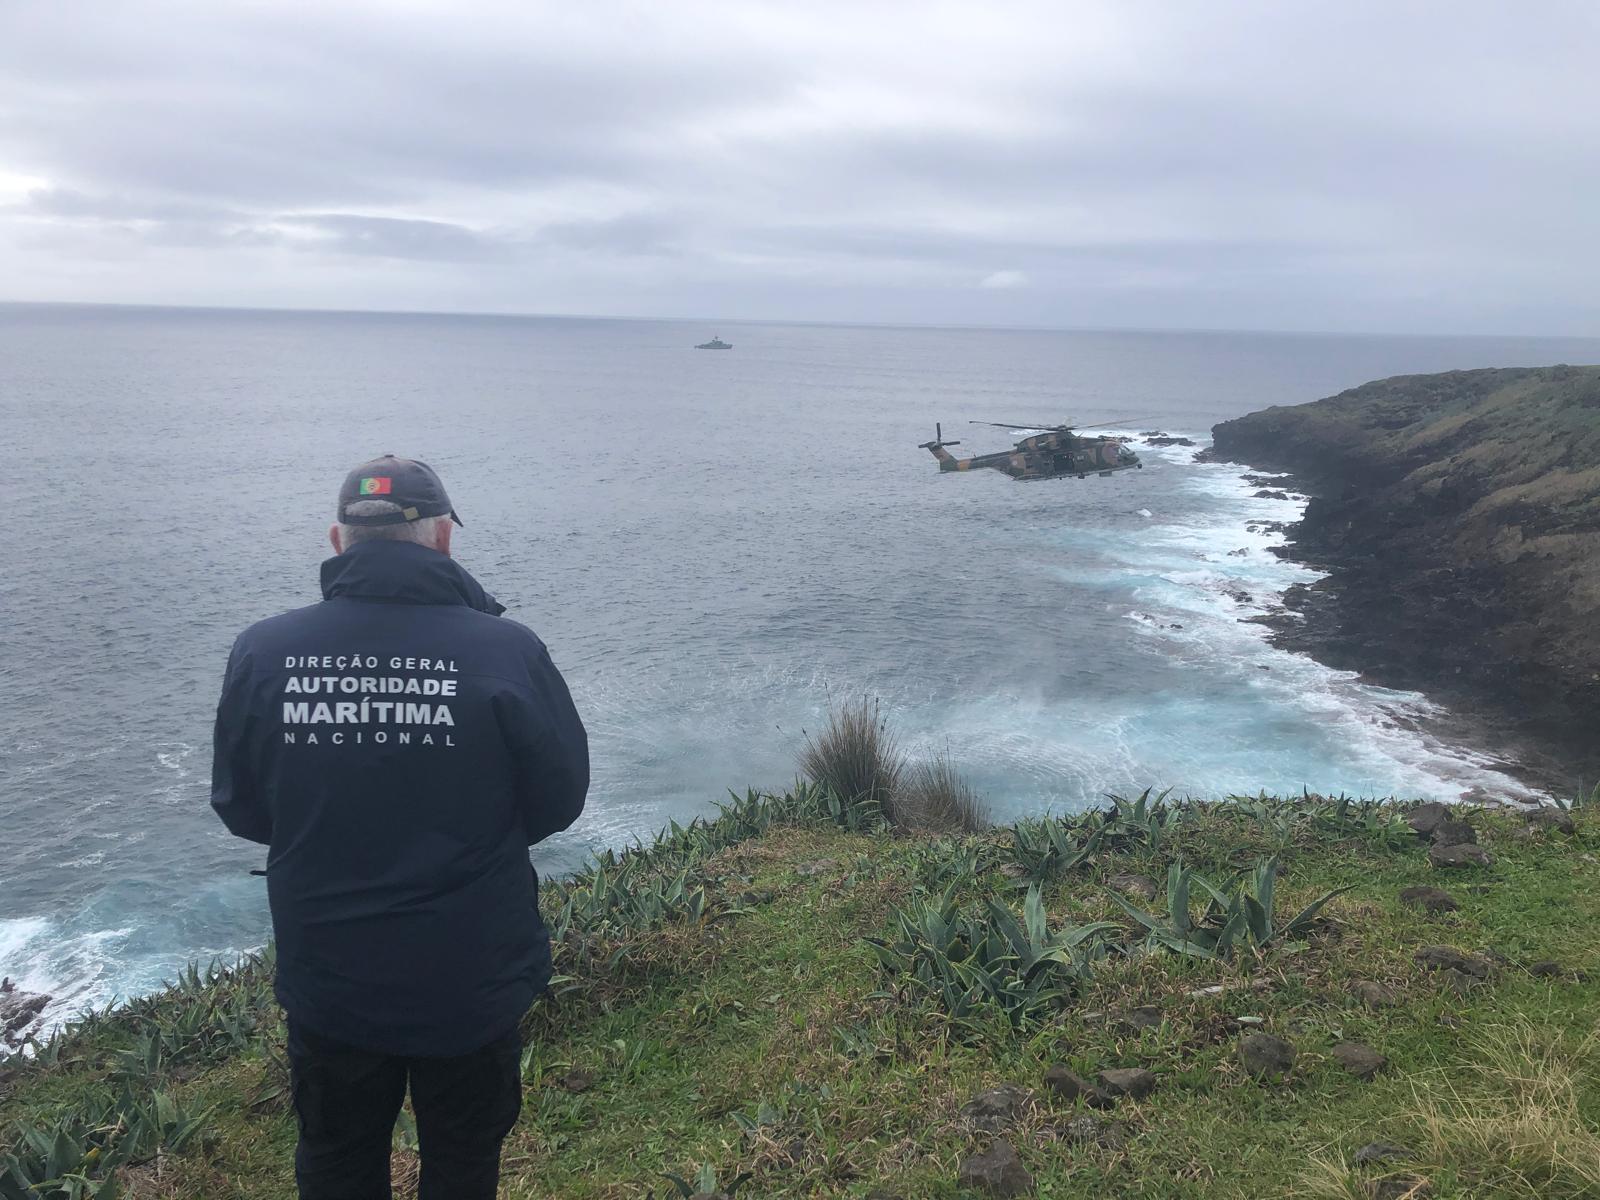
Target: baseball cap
[(413, 487)]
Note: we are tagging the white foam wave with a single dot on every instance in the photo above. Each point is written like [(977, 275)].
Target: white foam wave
[(174, 756), (15, 935)]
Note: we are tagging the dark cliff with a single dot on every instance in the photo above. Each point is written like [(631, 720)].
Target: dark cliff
[(1459, 518)]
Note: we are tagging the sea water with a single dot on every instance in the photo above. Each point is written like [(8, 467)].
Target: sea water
[(715, 546)]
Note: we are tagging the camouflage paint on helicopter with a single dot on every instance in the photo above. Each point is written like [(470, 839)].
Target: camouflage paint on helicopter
[(1054, 454)]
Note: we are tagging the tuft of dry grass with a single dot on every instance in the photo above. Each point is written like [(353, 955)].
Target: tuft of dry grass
[(1517, 1129), (856, 757), (934, 795)]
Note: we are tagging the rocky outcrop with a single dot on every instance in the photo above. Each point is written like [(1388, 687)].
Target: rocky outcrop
[(1458, 516), (19, 1013)]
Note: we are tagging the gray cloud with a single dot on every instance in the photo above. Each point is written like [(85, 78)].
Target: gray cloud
[(633, 234), (390, 237), (1235, 164), (65, 202)]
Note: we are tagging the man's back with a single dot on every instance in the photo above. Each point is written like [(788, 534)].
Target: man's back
[(399, 746)]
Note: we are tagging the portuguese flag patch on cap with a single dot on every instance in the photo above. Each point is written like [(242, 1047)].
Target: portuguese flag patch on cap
[(375, 485)]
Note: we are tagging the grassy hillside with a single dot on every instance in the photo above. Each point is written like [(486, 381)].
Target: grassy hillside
[(794, 997), (1460, 516)]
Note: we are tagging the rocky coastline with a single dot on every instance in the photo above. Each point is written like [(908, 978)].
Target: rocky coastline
[(1458, 519), (21, 1014)]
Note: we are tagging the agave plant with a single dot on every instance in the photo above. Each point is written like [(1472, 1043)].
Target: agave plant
[(939, 862), (76, 1157), (141, 1061), (1374, 819), (970, 963), (854, 814), (1580, 799), (1277, 817), (1234, 916), (1142, 821), (1033, 945), (630, 897), (704, 1183), (1049, 846)]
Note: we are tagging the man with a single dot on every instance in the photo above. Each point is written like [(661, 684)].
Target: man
[(399, 747)]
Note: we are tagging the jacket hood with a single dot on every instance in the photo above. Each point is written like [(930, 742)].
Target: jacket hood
[(403, 573)]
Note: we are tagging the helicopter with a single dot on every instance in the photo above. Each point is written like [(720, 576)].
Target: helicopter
[(1055, 453)]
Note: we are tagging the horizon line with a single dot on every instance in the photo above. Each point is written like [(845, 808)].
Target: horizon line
[(749, 321)]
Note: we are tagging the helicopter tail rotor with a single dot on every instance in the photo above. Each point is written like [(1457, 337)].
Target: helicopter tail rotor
[(938, 442)]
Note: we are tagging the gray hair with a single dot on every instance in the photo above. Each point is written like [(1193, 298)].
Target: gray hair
[(424, 530)]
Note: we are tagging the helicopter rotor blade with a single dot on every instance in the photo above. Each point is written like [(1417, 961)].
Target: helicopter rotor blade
[(1117, 421), (1069, 425), (1018, 425)]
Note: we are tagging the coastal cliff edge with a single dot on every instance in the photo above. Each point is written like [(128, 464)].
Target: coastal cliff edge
[(1458, 518)]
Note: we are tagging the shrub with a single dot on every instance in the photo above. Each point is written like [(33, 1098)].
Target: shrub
[(856, 758), (934, 795)]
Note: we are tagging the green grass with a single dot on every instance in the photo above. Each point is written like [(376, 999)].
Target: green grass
[(757, 1032)]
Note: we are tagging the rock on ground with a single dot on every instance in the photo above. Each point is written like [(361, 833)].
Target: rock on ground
[(1264, 1055), (1467, 855), (1552, 819), (1432, 899), (998, 1108), (997, 1171), (1142, 886), (1447, 958), (1085, 1128), (1146, 1016), (1069, 1086), (1360, 1060), (1375, 995), (1426, 817), (1375, 1152), (1451, 832), (1134, 1082)]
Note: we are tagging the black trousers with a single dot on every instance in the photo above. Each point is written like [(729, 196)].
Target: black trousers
[(347, 1101)]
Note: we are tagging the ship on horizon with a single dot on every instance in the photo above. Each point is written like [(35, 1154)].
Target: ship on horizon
[(715, 343)]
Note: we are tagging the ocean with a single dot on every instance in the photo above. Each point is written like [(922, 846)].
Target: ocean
[(714, 546)]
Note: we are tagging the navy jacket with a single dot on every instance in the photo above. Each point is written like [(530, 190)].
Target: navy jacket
[(399, 747)]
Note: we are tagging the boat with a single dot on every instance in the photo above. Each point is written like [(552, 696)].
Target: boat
[(715, 343)]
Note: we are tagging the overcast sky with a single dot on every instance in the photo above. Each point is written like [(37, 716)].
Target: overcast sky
[(1401, 167)]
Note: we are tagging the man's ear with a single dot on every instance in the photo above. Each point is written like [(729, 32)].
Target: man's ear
[(333, 538), (446, 528)]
